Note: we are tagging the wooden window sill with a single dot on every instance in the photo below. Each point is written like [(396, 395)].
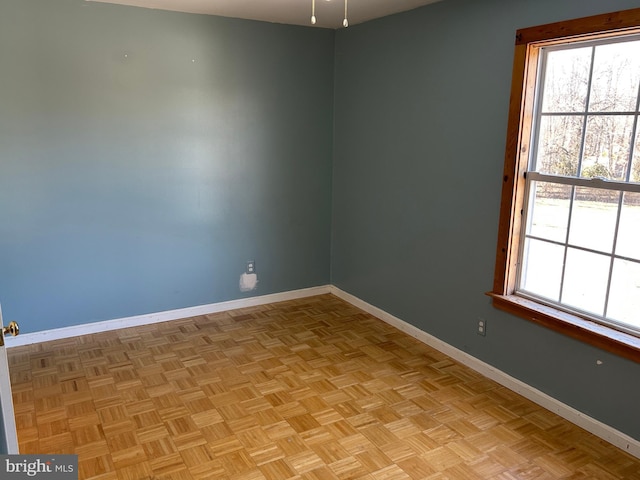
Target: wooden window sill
[(593, 333)]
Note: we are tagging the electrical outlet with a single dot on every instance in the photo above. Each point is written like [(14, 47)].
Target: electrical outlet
[(251, 266), (482, 327)]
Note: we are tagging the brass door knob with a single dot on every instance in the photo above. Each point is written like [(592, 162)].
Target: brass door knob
[(12, 329)]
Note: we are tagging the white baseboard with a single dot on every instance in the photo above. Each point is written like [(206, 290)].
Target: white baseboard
[(103, 326), (607, 433)]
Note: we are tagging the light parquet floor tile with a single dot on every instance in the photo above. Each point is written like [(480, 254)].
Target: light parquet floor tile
[(305, 389)]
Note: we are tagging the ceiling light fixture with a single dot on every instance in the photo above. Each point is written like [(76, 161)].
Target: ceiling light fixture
[(345, 22)]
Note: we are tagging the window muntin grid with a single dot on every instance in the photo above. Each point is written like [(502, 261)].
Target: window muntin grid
[(580, 251)]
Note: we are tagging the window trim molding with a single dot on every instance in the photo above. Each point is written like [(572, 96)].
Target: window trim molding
[(520, 120)]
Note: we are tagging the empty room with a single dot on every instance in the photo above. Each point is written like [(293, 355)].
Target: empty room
[(320, 239)]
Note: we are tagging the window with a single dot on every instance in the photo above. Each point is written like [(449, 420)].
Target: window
[(568, 251)]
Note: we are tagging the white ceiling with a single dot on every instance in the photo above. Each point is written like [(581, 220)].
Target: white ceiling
[(329, 13)]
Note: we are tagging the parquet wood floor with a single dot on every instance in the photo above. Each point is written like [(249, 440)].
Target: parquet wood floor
[(305, 389)]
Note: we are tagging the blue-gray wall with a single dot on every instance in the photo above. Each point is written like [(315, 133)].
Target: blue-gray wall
[(145, 156), (420, 121)]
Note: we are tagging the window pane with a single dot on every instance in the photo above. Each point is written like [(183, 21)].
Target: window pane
[(542, 268), (616, 75), (624, 299), (566, 80), (593, 219), (549, 211), (607, 146), (585, 281), (628, 244), (567, 256), (559, 145)]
